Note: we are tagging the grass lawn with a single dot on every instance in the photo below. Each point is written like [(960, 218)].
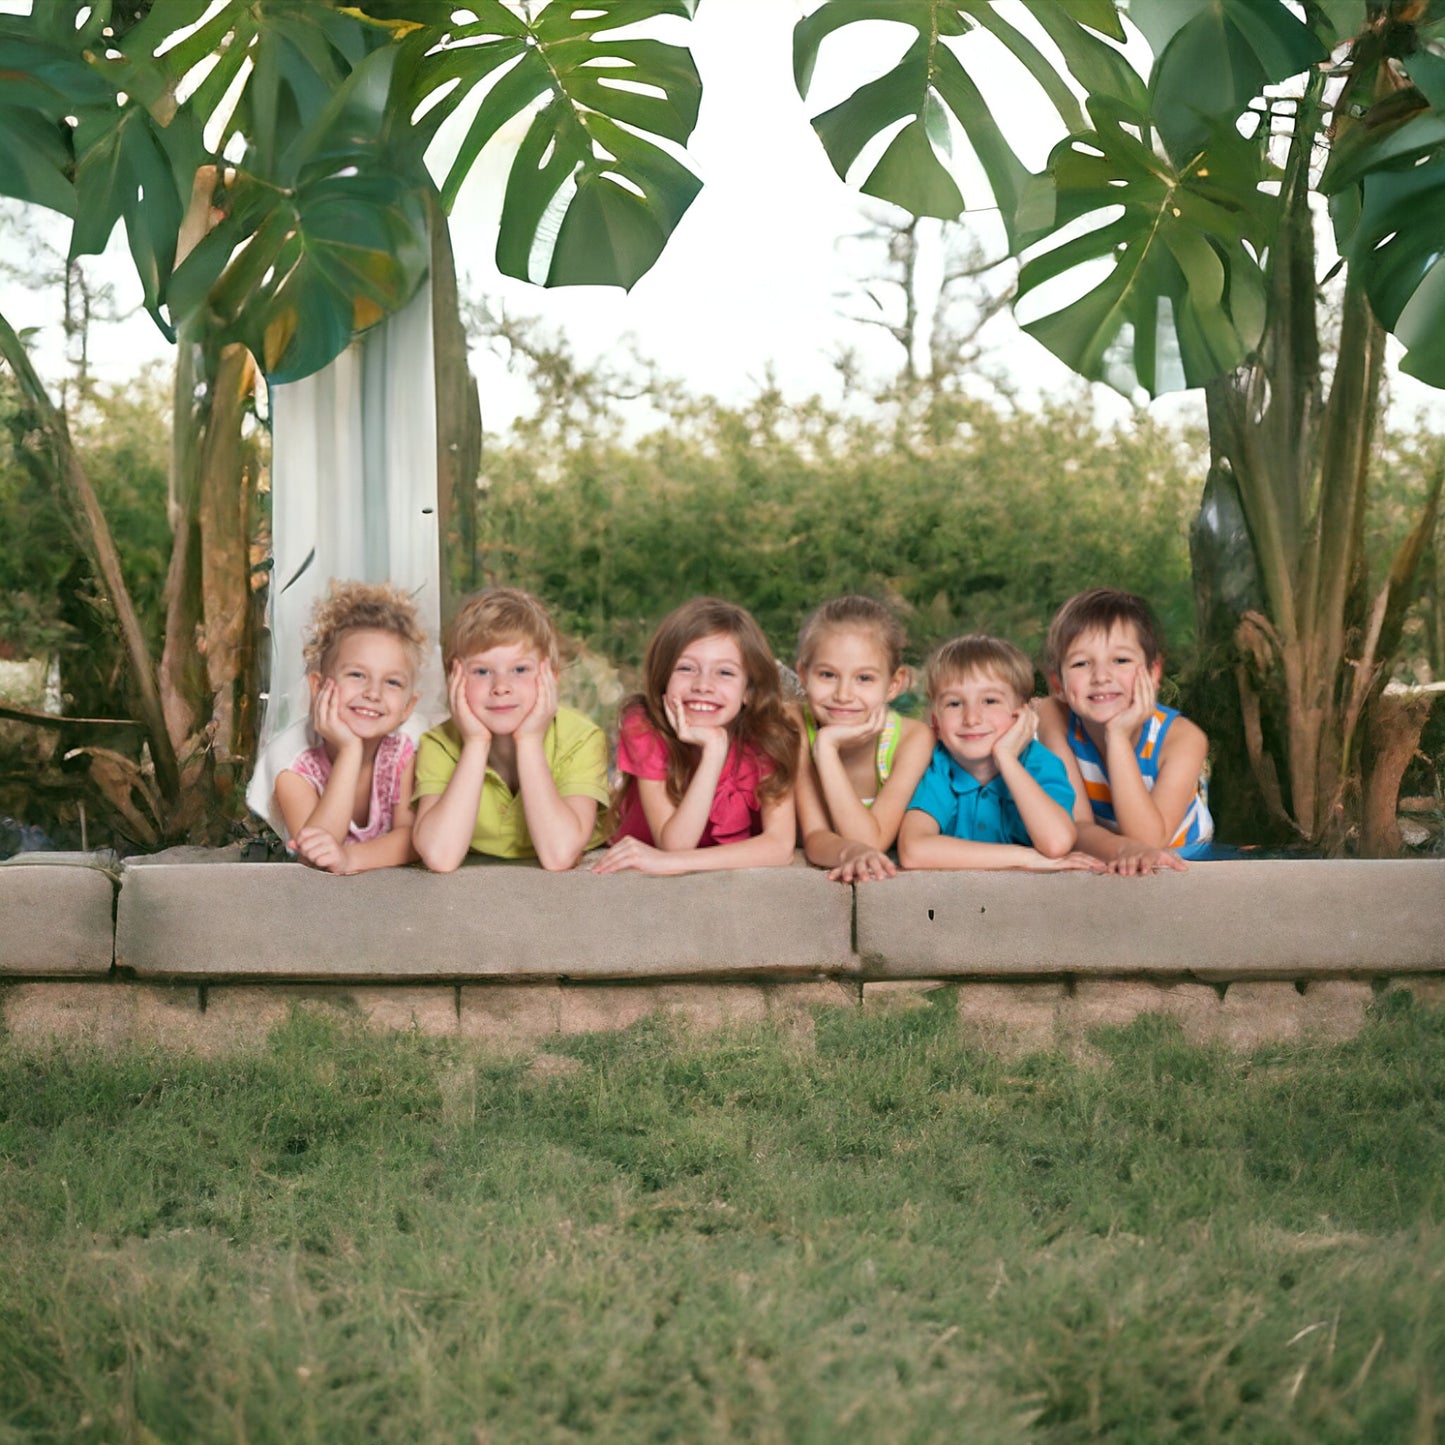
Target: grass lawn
[(873, 1233)]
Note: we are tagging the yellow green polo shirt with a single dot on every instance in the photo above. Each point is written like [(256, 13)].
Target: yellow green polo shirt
[(576, 751)]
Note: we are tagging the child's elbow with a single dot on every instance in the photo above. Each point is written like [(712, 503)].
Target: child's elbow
[(437, 860), (559, 862), (1057, 842)]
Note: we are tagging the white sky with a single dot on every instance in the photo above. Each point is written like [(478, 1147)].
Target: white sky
[(750, 277)]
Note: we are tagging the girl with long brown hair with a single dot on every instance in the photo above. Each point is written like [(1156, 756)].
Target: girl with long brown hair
[(707, 753)]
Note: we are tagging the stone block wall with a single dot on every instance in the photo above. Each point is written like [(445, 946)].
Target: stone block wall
[(211, 955)]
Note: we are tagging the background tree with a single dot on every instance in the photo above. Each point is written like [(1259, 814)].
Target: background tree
[(932, 287)]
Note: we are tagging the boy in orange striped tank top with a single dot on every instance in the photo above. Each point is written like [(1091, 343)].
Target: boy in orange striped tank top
[(1137, 767)]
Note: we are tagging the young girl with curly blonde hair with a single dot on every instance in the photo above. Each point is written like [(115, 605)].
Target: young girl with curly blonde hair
[(346, 799)]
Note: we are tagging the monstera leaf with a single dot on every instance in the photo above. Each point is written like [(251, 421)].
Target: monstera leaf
[(1170, 259), (44, 82), (1396, 247), (592, 197), (293, 270), (1214, 58), (933, 92), (317, 115)]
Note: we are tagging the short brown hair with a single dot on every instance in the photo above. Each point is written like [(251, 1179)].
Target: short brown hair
[(968, 656), (498, 615), (858, 614), (362, 607), (1099, 610)]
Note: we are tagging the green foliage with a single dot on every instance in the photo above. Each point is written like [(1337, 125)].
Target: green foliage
[(51, 597), (867, 1235), (1155, 206), (318, 116), (963, 518)]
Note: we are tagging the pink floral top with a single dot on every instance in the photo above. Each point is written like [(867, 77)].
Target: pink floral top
[(392, 756), (735, 813)]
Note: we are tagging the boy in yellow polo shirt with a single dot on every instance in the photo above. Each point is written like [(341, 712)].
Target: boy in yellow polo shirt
[(511, 773)]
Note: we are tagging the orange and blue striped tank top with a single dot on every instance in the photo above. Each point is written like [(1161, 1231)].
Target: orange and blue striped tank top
[(1197, 826)]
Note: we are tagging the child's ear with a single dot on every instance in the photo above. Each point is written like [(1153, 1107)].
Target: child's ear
[(315, 679), (1156, 671), (1056, 684), (410, 707), (901, 679)]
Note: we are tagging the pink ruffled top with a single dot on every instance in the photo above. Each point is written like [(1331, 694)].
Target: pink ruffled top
[(392, 755)]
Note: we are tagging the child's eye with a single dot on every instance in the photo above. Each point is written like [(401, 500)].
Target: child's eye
[(867, 677)]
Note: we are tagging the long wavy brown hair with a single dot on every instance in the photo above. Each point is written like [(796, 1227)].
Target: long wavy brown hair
[(762, 725)]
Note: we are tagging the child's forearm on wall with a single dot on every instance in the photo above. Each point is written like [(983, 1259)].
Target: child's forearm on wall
[(944, 853), (1051, 830), (445, 821), (391, 850)]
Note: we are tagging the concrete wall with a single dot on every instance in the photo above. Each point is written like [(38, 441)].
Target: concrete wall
[(210, 953)]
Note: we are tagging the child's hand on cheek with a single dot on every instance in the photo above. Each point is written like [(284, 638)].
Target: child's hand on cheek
[(468, 724), (699, 737), (327, 720), (840, 734), (1128, 720), (1025, 726), (544, 708)]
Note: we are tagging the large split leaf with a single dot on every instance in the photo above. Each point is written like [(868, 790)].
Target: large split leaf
[(593, 193), (43, 83), (932, 92), (1214, 58), (1167, 261), (1396, 250), (292, 271)]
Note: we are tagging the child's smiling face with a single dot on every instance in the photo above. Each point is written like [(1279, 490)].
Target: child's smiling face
[(709, 681), (847, 678), (1099, 671), (501, 684), (374, 679), (970, 714)]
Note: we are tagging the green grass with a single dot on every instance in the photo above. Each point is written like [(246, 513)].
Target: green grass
[(878, 1234)]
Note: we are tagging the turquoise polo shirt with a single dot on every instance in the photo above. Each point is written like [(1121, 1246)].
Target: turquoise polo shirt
[(985, 812)]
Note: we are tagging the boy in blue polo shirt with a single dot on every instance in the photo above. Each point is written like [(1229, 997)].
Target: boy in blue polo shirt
[(992, 797)]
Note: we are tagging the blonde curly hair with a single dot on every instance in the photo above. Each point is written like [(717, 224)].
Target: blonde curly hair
[(362, 607)]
